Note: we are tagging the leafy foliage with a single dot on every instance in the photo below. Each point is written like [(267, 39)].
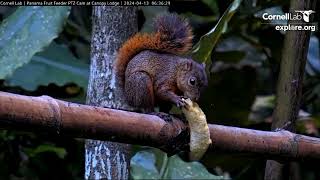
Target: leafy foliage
[(144, 166), (51, 67), (27, 31), (202, 50)]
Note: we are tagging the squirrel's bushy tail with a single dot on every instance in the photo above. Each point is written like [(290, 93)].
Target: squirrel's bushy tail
[(172, 34)]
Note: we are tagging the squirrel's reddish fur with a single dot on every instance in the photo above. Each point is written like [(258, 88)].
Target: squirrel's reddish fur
[(172, 35), (150, 71)]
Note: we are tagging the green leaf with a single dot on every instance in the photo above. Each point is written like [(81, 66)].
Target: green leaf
[(26, 32), (202, 50), (60, 152), (178, 169), (54, 65), (143, 166)]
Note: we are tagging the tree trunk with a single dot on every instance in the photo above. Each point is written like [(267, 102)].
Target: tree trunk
[(111, 27), (289, 88)]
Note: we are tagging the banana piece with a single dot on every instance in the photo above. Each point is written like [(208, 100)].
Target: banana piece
[(199, 130)]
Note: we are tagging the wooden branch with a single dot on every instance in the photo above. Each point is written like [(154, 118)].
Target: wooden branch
[(64, 118)]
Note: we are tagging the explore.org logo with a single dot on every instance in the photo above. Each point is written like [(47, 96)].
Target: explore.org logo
[(296, 20)]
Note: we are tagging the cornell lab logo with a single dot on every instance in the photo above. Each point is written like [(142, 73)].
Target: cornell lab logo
[(281, 21), (298, 15), (306, 14)]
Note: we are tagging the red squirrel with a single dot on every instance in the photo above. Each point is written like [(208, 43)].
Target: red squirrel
[(151, 69)]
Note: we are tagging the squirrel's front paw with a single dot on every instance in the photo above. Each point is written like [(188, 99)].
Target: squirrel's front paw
[(187, 103), (179, 102)]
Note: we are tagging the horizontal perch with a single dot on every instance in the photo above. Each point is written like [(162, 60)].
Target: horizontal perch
[(59, 117)]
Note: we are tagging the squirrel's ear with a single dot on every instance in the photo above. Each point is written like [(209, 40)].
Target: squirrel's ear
[(187, 66)]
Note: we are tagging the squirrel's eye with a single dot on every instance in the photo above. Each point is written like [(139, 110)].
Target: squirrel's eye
[(192, 81)]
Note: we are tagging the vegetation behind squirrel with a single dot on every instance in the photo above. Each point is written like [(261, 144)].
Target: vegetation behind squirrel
[(150, 69)]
